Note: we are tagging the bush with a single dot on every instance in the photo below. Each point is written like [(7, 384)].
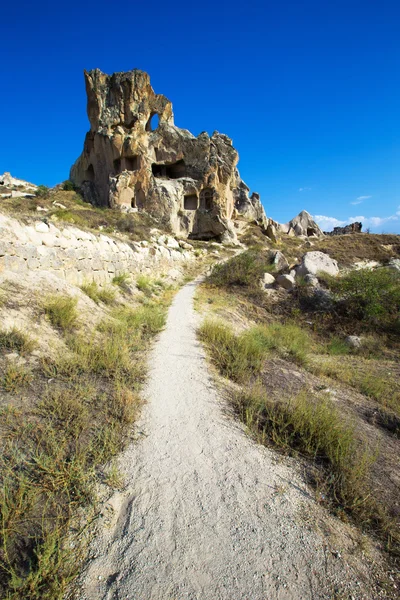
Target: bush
[(245, 269), (68, 186), (42, 191), (371, 296), (61, 311)]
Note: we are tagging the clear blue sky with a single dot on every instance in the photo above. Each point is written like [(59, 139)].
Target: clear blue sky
[(309, 91)]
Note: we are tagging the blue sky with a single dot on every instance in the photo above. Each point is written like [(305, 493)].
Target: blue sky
[(308, 91)]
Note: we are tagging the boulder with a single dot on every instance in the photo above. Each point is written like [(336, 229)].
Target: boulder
[(353, 341), (311, 280), (267, 281), (317, 262), (190, 184), (286, 281), (394, 264), (279, 261)]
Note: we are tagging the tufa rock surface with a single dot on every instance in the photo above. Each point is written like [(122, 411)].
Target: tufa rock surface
[(190, 184), (303, 225), (317, 262)]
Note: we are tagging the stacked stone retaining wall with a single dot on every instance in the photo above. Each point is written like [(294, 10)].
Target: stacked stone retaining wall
[(78, 256)]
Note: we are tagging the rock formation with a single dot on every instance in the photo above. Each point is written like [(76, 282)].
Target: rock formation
[(190, 184), (351, 228), (304, 225), (11, 187)]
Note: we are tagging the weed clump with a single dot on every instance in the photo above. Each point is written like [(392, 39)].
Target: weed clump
[(16, 341), (62, 312), (97, 294), (239, 357)]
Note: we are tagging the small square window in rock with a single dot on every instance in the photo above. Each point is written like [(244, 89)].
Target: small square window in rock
[(190, 202)]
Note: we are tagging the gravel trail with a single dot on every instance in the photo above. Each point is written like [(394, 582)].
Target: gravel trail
[(207, 514)]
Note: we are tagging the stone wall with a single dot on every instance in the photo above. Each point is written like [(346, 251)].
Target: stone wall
[(78, 256)]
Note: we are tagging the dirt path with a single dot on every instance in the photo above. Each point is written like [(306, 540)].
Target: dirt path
[(208, 514)]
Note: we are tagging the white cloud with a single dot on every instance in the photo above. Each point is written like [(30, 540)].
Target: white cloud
[(374, 222), (360, 199), (304, 189), (327, 223)]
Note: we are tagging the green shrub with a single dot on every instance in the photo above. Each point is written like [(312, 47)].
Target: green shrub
[(42, 191), (245, 269), (68, 186), (16, 341), (62, 312), (370, 296)]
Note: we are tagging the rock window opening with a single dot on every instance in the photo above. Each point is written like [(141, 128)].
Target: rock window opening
[(206, 197), (89, 174), (172, 171), (190, 202), (153, 122), (131, 163), (117, 165)]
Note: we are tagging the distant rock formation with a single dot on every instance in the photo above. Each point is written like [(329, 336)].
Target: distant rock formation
[(352, 228), (303, 225), (11, 187), (191, 184)]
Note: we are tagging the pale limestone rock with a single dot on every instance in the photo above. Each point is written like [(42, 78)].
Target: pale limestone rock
[(303, 225), (42, 227), (286, 281), (317, 262)]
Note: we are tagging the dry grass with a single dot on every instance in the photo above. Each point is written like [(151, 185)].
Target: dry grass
[(315, 428), (97, 294), (348, 249), (15, 340), (61, 311), (53, 449), (82, 214)]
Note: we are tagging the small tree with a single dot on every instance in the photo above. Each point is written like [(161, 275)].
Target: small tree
[(42, 191), (68, 186)]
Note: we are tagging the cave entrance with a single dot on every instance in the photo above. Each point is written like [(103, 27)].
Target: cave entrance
[(89, 173), (206, 198), (190, 202), (117, 166), (310, 231), (131, 163), (172, 171)]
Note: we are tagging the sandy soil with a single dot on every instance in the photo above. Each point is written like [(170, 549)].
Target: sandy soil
[(207, 514)]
